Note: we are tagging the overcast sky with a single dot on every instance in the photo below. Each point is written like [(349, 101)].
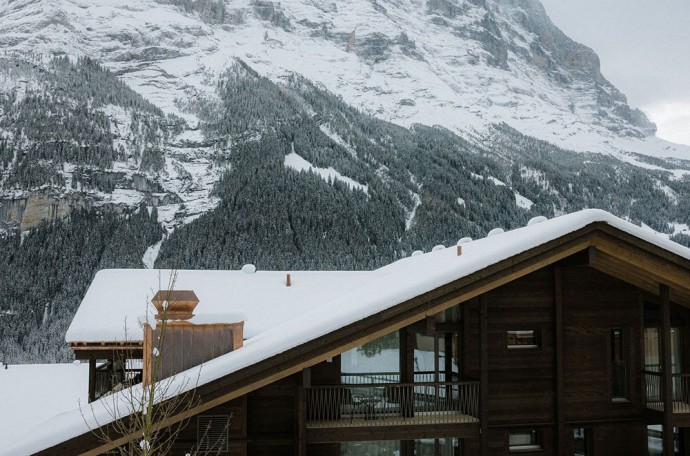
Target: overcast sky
[(644, 47)]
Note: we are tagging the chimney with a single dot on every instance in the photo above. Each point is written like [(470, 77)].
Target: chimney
[(185, 344), (175, 304)]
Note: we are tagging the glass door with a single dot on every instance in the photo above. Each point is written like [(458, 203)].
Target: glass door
[(437, 357)]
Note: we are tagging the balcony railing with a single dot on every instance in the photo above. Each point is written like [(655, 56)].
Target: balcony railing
[(654, 391), (350, 378), (392, 404)]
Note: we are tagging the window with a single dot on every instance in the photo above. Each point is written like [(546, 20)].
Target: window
[(582, 442), (619, 365), (212, 433), (524, 440), (377, 361), (522, 339)]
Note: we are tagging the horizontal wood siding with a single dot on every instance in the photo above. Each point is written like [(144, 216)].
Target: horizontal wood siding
[(272, 418), (498, 437), (594, 304), (237, 430), (521, 382), (628, 439)]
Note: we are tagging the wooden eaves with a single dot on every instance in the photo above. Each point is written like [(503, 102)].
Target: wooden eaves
[(607, 248)]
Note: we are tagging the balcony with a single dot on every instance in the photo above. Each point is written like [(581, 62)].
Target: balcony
[(654, 392), (392, 404)]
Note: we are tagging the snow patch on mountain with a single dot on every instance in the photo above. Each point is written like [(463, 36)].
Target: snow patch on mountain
[(409, 215), (523, 202), (296, 162)]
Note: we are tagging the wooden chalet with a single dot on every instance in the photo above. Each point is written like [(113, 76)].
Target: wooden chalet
[(565, 337)]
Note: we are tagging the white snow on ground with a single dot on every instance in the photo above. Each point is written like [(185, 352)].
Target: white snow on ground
[(296, 162), (668, 191), (680, 228), (297, 313), (149, 258), (523, 202), (326, 129), (409, 216), (496, 182), (32, 393)]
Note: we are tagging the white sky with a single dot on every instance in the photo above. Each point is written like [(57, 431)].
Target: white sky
[(644, 47)]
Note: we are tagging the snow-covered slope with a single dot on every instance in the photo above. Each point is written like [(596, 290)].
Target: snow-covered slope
[(462, 64)]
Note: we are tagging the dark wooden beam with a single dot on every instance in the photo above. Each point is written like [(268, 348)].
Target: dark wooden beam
[(403, 432), (301, 422), (484, 376), (92, 379), (667, 379), (559, 403)]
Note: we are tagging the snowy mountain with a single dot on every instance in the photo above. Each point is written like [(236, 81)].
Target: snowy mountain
[(457, 63), (464, 65), (294, 135)]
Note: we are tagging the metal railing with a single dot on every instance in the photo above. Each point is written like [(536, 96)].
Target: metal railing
[(680, 395), (351, 378), (392, 403)]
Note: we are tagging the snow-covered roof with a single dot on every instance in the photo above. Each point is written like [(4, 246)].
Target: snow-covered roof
[(334, 300), (33, 393), (118, 299)]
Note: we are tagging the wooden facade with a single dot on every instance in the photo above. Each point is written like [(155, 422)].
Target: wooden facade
[(577, 347)]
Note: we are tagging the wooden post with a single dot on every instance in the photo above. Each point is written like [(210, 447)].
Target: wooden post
[(484, 376), (92, 379), (558, 341), (301, 420), (666, 377)]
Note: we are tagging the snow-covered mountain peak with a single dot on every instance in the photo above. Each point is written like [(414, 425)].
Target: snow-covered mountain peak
[(458, 63)]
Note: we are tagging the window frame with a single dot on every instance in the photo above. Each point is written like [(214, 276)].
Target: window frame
[(588, 435), (624, 362), (536, 441), (537, 339)]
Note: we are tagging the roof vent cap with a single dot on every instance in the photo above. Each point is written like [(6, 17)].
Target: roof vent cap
[(175, 304), (495, 231), (535, 220)]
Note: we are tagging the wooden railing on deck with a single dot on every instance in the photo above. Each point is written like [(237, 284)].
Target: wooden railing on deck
[(654, 391), (392, 403)]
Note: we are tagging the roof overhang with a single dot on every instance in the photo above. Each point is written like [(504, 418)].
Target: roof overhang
[(107, 350)]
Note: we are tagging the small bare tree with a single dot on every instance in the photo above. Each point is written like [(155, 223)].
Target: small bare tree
[(144, 413)]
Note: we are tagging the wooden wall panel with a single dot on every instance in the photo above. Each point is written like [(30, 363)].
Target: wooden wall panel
[(628, 439), (498, 437), (272, 418), (237, 431), (326, 373), (521, 382), (593, 305)]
